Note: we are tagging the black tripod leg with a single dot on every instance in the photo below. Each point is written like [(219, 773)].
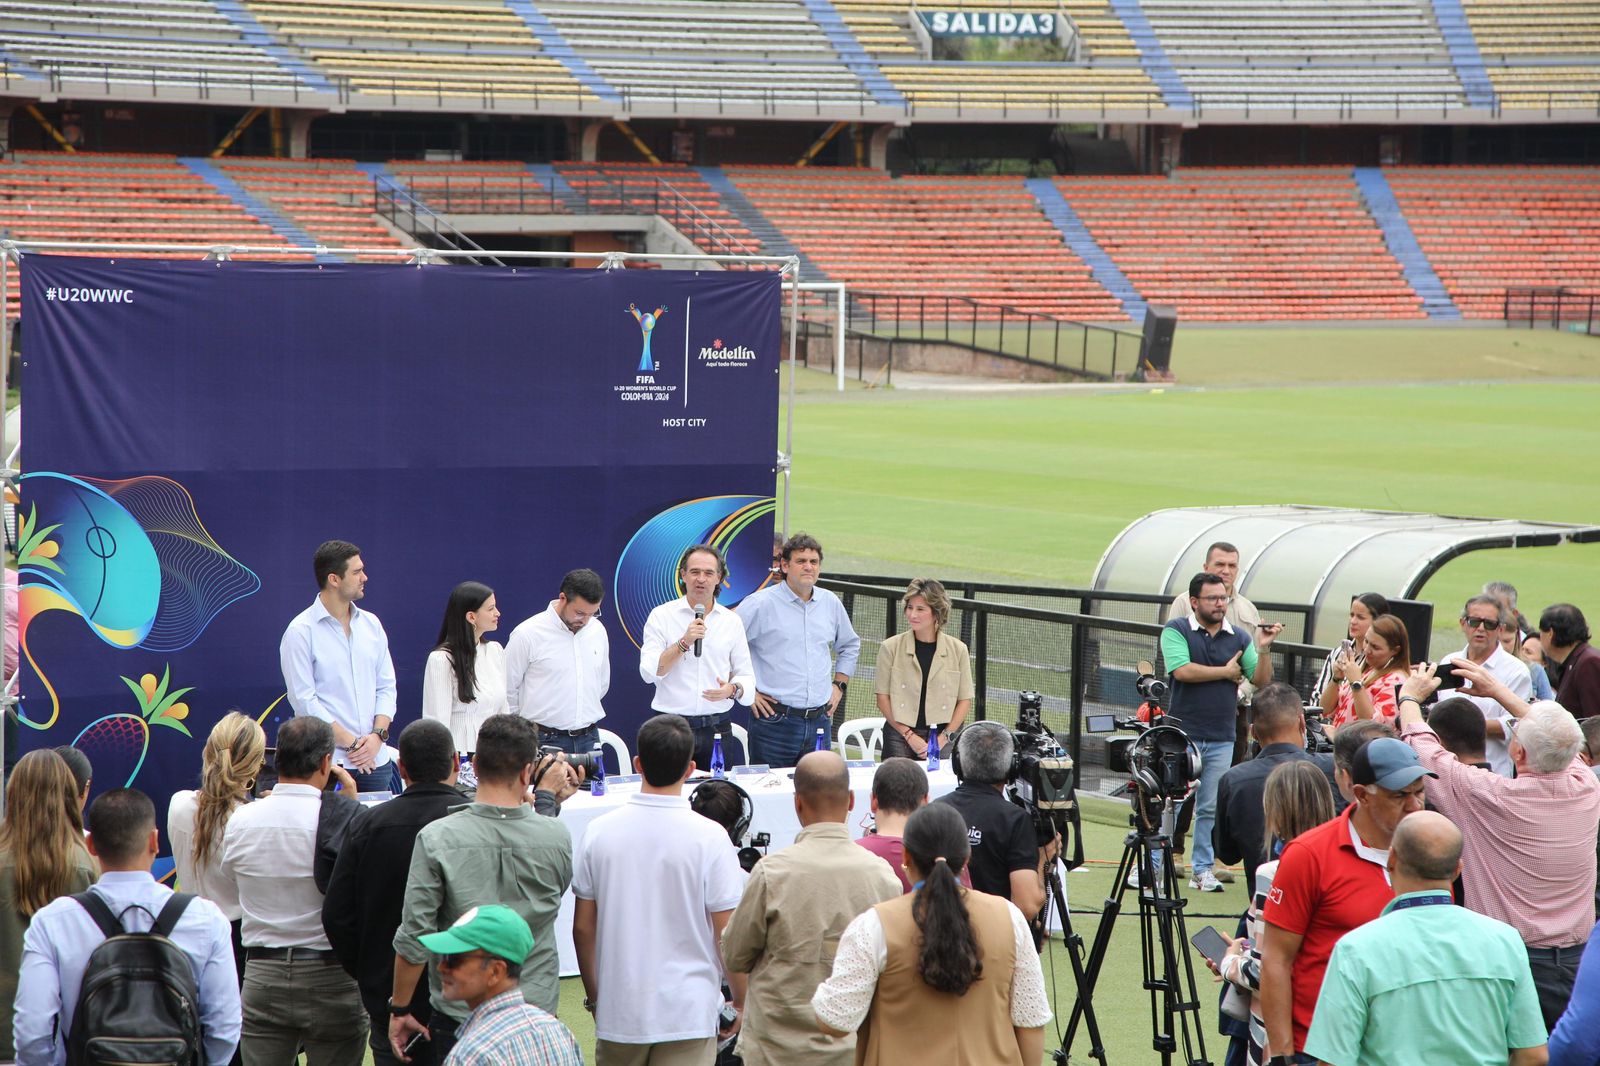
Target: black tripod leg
[(1074, 946), (1102, 938)]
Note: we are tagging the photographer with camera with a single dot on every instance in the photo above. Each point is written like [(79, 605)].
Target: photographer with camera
[(1207, 657), (1007, 858), (1280, 729)]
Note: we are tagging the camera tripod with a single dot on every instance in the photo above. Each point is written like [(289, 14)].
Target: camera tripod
[(1163, 942), (1056, 898)]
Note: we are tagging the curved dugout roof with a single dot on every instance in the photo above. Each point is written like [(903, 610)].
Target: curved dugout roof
[(1321, 556)]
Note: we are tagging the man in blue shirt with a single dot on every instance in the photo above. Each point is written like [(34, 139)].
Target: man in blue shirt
[(1207, 657), (61, 937), (804, 649), (336, 667), (1427, 981)]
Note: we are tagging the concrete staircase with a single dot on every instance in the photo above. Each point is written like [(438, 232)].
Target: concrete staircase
[(1085, 247), (1419, 273), (773, 242)]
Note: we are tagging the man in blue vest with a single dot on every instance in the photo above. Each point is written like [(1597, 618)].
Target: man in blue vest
[(1206, 657)]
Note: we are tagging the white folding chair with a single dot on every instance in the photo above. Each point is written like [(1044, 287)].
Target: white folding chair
[(864, 733), (619, 748), (742, 735)]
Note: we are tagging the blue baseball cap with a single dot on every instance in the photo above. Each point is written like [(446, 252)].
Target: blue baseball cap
[(1387, 763)]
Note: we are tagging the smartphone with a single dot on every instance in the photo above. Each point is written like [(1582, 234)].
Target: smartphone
[(1210, 943), (1448, 678)]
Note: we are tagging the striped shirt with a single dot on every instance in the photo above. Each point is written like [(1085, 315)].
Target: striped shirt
[(508, 1031), (1522, 862)]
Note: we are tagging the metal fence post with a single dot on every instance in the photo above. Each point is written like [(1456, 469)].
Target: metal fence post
[(980, 648)]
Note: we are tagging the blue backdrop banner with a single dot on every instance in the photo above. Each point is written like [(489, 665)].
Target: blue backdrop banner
[(195, 429)]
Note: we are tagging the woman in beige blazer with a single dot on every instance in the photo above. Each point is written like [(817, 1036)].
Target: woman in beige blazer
[(924, 676)]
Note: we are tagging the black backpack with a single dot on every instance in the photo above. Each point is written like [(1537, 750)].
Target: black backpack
[(138, 1004)]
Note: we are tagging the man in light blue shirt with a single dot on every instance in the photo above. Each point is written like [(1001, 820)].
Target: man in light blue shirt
[(804, 649), (61, 937), (1427, 981), (336, 667)]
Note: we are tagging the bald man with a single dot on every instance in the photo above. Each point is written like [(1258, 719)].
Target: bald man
[(1427, 981), (795, 907)]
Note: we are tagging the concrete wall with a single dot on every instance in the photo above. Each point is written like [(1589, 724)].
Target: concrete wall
[(870, 353)]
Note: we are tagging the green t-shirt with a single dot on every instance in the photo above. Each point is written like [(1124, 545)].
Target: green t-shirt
[(1426, 984)]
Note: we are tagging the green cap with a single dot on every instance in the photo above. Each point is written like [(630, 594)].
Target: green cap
[(498, 930)]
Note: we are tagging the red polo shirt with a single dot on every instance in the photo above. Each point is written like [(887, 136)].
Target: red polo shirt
[(1323, 890)]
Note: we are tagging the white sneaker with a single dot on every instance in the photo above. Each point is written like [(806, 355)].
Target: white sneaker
[(1133, 877), (1205, 881)]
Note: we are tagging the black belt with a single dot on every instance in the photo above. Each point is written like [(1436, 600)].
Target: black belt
[(704, 721), (1554, 954), (290, 954), (807, 713), (585, 731)]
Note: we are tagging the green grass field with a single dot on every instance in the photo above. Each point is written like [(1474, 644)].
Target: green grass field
[(1032, 486)]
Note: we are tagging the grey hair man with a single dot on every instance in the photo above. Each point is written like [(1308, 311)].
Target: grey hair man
[(1007, 858), (1519, 865)]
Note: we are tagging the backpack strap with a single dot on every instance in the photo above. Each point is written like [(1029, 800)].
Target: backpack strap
[(90, 901), (167, 920)]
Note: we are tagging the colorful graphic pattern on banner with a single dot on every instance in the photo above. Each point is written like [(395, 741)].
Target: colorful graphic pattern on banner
[(193, 440)]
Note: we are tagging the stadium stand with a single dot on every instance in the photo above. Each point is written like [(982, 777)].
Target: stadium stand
[(1486, 228), (1308, 54), (1540, 54), (884, 28), (486, 187), (1247, 245), (174, 45), (475, 48), (673, 190), (327, 198), (116, 199), (769, 52), (982, 239)]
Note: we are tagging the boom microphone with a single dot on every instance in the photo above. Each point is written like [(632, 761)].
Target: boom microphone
[(699, 614)]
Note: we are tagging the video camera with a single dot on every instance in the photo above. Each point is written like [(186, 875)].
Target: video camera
[(1041, 779)]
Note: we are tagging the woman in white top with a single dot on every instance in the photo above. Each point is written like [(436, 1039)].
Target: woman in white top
[(196, 819), (465, 681)]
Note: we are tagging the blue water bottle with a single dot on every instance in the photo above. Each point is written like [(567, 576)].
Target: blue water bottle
[(933, 750), (822, 740), (597, 783), (716, 757)]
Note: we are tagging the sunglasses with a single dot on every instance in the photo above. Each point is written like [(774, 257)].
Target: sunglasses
[(450, 962), (1480, 623)]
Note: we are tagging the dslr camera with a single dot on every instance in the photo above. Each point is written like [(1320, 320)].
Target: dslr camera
[(585, 760), (1041, 779)]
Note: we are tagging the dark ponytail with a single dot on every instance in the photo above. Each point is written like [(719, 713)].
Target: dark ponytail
[(935, 838)]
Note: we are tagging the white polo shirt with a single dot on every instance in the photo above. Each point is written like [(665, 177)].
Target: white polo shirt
[(656, 871)]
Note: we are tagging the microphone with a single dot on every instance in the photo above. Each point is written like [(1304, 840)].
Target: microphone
[(699, 614)]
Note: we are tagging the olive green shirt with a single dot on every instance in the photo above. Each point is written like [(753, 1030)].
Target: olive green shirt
[(487, 854), (784, 934), (13, 923)]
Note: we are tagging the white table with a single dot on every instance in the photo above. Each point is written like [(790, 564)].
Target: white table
[(772, 795)]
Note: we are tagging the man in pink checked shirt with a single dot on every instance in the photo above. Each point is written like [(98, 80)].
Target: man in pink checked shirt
[(1525, 860)]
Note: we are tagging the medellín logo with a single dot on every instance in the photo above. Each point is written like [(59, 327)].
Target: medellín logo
[(718, 353), (740, 527)]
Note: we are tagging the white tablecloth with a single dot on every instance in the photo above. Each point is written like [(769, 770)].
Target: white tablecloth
[(772, 795)]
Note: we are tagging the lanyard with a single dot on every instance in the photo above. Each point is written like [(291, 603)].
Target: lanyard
[(1432, 899)]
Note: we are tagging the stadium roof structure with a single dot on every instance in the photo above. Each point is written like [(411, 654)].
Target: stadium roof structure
[(1320, 556)]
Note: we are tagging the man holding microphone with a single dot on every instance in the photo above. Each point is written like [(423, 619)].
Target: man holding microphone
[(695, 653)]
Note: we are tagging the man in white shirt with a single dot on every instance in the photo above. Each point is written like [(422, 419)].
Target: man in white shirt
[(647, 945), (63, 934), (696, 655), (558, 666), (336, 667), (1481, 620), (295, 992)]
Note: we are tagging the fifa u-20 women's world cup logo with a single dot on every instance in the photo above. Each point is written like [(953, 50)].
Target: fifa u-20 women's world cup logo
[(647, 325)]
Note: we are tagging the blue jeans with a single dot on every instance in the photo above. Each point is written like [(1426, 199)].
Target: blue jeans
[(1215, 758), (381, 779), (783, 738), (583, 745)]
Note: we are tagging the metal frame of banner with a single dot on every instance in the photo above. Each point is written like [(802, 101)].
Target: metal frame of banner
[(10, 250)]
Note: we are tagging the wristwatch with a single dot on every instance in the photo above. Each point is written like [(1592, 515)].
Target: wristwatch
[(399, 1010), (382, 733), (1357, 686), (842, 686)]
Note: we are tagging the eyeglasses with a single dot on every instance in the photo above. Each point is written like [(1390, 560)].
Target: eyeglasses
[(450, 962), (1213, 599), (1481, 623)]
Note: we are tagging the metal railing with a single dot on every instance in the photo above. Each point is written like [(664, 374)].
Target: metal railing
[(1083, 348), (1081, 663), (1554, 307), (395, 203)]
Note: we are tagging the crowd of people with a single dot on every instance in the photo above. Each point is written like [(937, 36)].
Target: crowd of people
[(1416, 896)]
